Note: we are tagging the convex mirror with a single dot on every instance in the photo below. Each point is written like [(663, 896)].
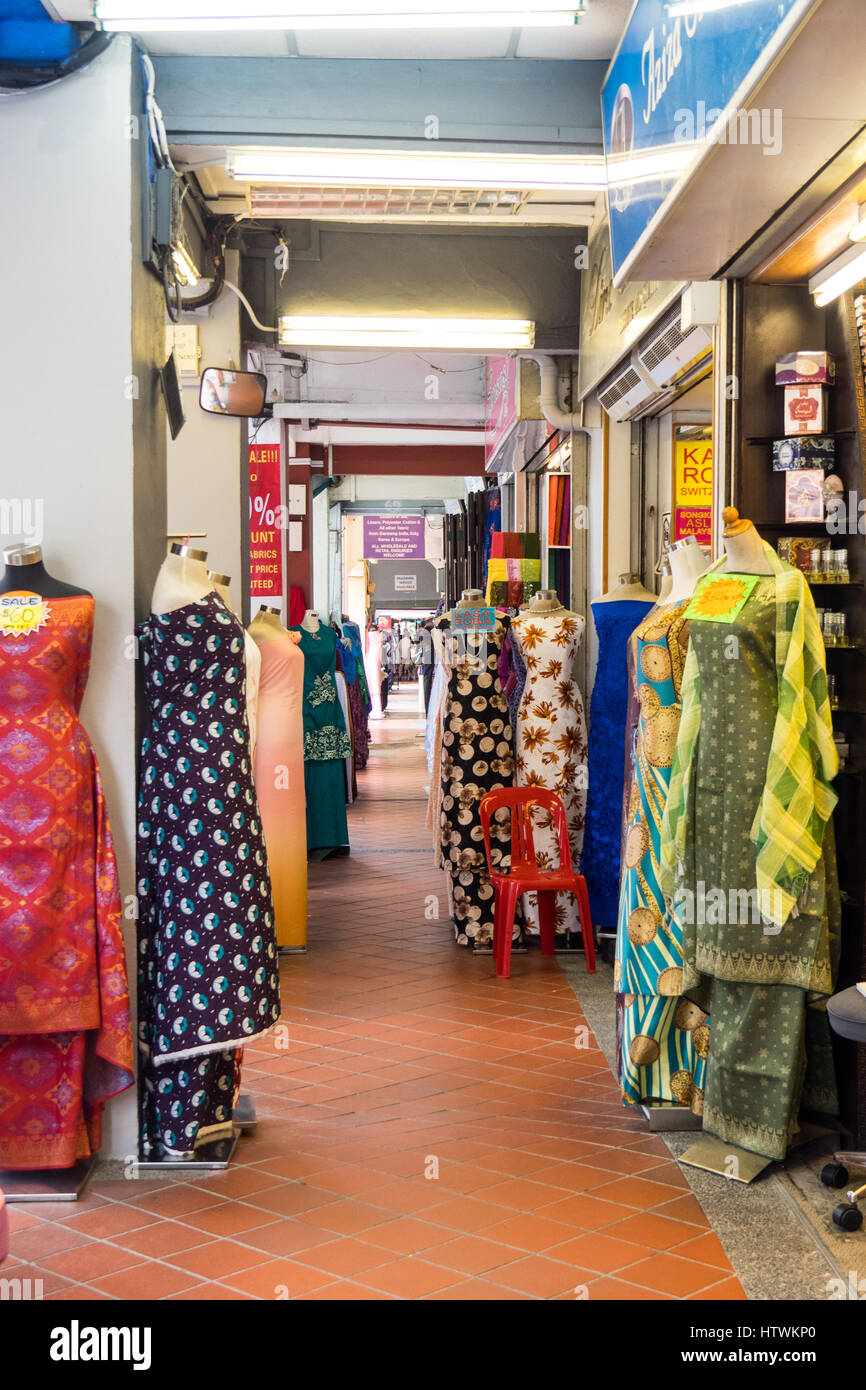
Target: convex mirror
[(224, 392)]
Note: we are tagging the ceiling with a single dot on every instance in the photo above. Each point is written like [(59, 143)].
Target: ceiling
[(596, 36)]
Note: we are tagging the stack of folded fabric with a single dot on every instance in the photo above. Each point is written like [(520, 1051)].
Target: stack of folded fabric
[(514, 568)]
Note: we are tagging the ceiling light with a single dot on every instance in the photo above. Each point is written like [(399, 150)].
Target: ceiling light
[(410, 169), (858, 231), (625, 170), (141, 16), (839, 275), (360, 331)]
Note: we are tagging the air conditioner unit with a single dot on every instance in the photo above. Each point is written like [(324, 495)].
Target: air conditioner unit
[(669, 348), (623, 393)]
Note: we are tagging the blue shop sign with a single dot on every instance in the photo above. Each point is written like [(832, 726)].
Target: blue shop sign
[(676, 85)]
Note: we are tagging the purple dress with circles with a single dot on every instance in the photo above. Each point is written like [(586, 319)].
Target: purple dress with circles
[(207, 968)]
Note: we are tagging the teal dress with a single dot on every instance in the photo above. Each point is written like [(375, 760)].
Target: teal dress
[(663, 1038), (326, 742)]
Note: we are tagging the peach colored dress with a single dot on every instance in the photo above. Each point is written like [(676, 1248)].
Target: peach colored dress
[(279, 777)]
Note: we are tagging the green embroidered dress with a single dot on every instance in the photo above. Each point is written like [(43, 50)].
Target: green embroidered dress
[(764, 983), (326, 742)]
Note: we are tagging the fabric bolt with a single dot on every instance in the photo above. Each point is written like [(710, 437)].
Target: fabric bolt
[(477, 756), (65, 1030), (326, 741), (208, 978), (279, 779), (765, 988), (663, 1038), (615, 620), (551, 743)]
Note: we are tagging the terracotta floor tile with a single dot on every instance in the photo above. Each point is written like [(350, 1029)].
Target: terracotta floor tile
[(163, 1239), (90, 1261), (666, 1273), (708, 1249), (230, 1219), (151, 1280), (218, 1259), (467, 1213), (77, 1293), (407, 1235), (472, 1255), (45, 1239), (586, 1211), (347, 1217), (405, 1195), (475, 1291), (345, 1291), (346, 1257), (523, 1194), (599, 1251), (729, 1290), (617, 1291), (648, 1228), (289, 1199), (637, 1192), (528, 1232), (211, 1293), (411, 1278), (285, 1237), (541, 1277), (278, 1280)]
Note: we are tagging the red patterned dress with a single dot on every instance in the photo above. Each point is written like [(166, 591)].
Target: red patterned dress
[(65, 1035)]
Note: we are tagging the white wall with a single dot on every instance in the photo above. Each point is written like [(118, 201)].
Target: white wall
[(66, 396), (204, 462)]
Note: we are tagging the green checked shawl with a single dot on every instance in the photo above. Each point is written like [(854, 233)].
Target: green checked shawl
[(797, 800)]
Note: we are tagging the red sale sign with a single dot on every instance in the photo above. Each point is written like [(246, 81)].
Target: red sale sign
[(266, 540)]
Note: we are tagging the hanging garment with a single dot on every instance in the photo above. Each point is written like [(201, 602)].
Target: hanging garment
[(65, 1031), (208, 978), (374, 672), (359, 697), (615, 620), (279, 778), (754, 699), (512, 675), (326, 742), (343, 697), (663, 1038), (477, 757), (551, 742)]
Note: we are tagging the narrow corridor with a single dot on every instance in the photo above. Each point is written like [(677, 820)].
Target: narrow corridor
[(425, 1130)]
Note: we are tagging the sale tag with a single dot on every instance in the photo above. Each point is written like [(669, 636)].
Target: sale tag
[(473, 619), (718, 598), (22, 612)]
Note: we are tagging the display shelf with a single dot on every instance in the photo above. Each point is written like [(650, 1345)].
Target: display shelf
[(822, 434)]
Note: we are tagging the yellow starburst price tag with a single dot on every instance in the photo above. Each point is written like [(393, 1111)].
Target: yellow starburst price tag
[(719, 597), (22, 612)]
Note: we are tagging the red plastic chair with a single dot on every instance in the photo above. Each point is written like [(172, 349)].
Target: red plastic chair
[(525, 876)]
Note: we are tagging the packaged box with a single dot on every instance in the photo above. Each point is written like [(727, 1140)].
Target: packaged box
[(804, 451), (797, 550), (806, 368), (804, 495), (805, 410)]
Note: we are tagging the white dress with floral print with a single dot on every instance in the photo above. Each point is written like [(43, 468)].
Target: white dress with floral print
[(550, 741)]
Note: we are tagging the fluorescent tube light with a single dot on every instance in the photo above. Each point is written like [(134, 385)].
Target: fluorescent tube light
[(147, 16), (186, 270), (686, 7), (858, 231), (411, 169), (360, 331), (839, 275)]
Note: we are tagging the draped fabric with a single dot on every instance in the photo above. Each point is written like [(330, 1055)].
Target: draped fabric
[(208, 977), (65, 1032), (326, 741), (615, 620)]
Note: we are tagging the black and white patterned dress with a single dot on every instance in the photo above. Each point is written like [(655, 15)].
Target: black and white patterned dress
[(208, 977)]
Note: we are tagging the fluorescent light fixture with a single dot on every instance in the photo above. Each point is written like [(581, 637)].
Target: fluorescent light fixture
[(360, 331), (625, 170), (411, 169), (148, 16), (686, 7), (185, 268), (839, 275), (858, 231)]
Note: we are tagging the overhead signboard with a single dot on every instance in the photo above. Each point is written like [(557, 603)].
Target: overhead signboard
[(693, 489), (502, 404), (393, 538), (677, 85)]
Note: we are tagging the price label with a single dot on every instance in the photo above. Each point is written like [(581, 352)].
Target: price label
[(22, 612), (473, 619)]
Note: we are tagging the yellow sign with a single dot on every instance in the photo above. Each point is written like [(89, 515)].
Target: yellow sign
[(693, 489), (22, 612)]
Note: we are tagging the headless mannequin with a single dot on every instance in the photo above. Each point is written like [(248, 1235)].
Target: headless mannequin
[(220, 583), (743, 546), (310, 621), (182, 579), (667, 582), (470, 598), (25, 570), (688, 564), (266, 620), (546, 601), (628, 586)]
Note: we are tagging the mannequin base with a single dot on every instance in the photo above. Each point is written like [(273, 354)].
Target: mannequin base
[(244, 1114), (46, 1184), (216, 1154), (668, 1117), (740, 1165)]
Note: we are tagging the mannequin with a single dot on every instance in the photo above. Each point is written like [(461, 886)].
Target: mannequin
[(25, 570), (268, 619), (743, 546), (470, 598), (628, 586), (688, 563), (310, 621), (221, 583), (546, 601), (182, 579)]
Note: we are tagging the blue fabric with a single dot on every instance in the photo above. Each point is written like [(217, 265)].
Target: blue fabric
[(615, 621)]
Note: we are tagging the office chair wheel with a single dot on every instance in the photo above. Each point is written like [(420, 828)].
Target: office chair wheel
[(847, 1217), (834, 1175)]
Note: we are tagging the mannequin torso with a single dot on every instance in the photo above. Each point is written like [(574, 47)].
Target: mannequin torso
[(25, 570), (688, 564), (745, 553), (629, 587), (182, 579)]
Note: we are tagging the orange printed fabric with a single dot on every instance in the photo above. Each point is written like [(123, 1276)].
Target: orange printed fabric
[(65, 1034)]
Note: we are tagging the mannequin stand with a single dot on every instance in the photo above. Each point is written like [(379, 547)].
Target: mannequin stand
[(47, 1184), (211, 1156)]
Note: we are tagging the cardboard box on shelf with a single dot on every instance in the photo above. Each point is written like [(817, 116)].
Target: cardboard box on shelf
[(804, 451), (805, 410), (805, 368)]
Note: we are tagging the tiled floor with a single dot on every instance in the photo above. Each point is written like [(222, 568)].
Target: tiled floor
[(426, 1130)]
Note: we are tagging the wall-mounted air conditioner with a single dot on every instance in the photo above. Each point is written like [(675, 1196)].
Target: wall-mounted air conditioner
[(626, 390), (669, 348)]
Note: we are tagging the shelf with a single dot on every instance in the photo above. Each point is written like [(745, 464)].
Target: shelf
[(558, 547), (810, 434)]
